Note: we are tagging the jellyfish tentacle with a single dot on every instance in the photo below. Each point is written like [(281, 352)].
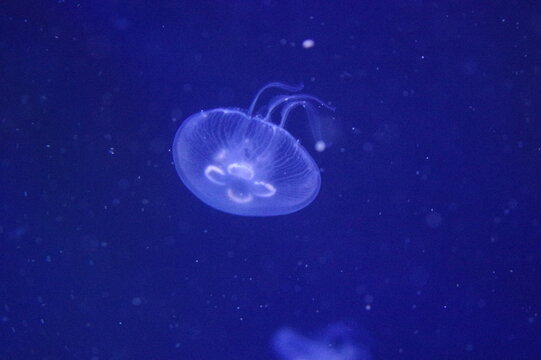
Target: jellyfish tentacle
[(287, 109), (277, 85), (294, 99)]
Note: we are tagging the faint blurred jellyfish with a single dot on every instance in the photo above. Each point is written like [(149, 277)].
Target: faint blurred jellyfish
[(241, 162), (335, 343)]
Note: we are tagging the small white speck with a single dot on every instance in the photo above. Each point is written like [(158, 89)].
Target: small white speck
[(308, 43), (320, 146)]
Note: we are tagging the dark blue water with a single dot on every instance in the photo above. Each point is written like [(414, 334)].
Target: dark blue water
[(424, 242)]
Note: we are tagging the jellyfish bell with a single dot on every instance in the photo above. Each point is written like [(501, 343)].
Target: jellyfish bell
[(243, 163)]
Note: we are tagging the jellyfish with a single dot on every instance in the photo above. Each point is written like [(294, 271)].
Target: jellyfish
[(244, 163), (335, 342)]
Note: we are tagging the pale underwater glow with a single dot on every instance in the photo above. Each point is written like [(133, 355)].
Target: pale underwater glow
[(335, 343)]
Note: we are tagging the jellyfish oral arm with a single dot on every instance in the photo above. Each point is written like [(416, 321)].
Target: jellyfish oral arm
[(290, 102), (306, 101), (277, 85), (294, 100)]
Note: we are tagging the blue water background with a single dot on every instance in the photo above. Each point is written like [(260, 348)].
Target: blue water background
[(426, 233)]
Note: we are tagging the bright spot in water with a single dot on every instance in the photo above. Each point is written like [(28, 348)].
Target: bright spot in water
[(320, 146), (308, 43)]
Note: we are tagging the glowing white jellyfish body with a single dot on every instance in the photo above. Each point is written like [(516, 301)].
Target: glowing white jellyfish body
[(245, 164)]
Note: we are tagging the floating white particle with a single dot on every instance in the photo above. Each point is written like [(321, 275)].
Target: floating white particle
[(308, 43), (320, 146)]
